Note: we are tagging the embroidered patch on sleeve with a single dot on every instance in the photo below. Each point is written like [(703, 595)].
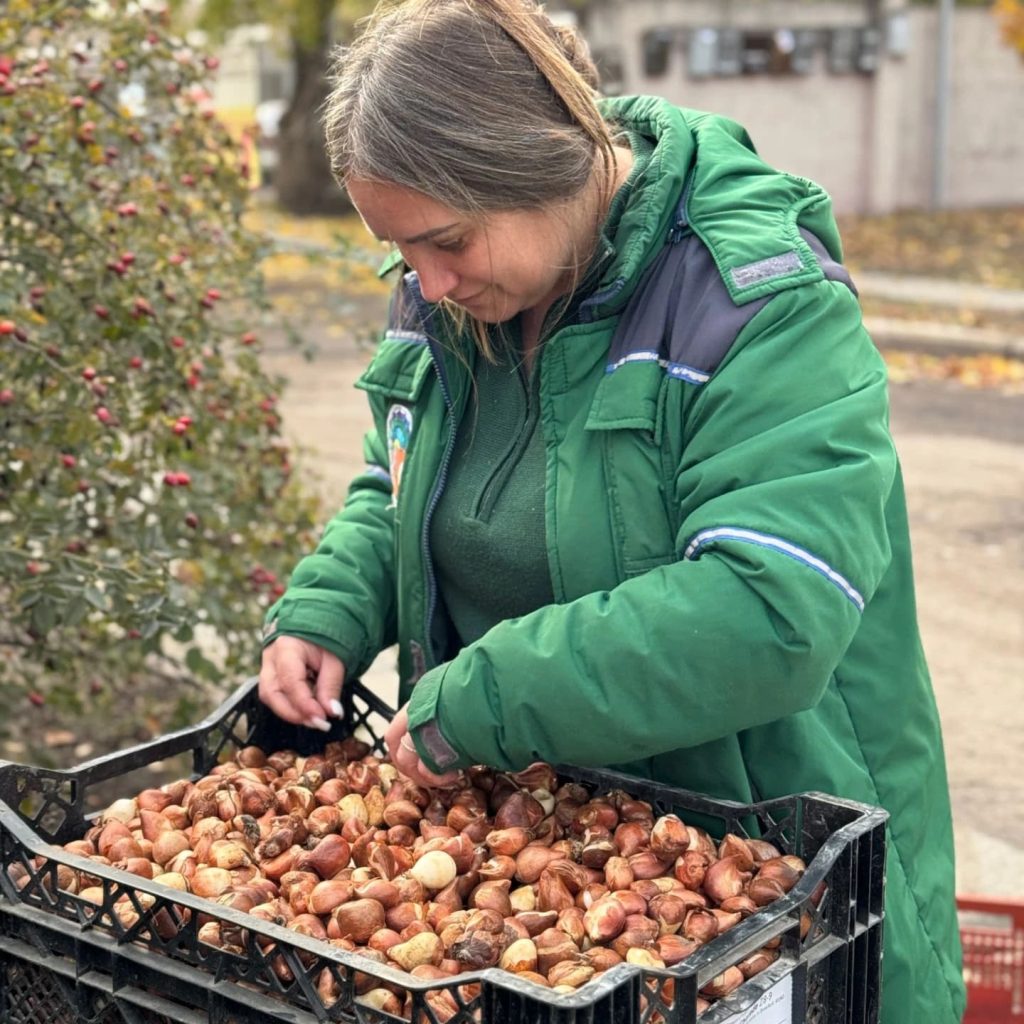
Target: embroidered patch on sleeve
[(399, 432)]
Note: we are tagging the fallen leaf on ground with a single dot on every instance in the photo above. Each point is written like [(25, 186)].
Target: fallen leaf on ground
[(981, 371)]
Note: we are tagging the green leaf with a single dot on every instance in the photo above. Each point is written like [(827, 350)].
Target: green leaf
[(75, 612), (44, 618)]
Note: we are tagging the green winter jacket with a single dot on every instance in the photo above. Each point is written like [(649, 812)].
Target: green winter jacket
[(725, 527)]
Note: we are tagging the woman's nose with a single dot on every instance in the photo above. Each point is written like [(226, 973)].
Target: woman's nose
[(436, 281)]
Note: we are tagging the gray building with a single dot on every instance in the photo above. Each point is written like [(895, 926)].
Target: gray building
[(845, 93)]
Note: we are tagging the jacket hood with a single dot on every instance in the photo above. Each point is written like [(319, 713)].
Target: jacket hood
[(705, 176)]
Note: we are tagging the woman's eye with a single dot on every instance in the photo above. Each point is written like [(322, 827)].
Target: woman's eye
[(455, 245)]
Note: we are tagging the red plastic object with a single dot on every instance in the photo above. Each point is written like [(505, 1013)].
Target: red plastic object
[(992, 933)]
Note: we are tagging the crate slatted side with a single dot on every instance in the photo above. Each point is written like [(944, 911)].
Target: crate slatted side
[(832, 970)]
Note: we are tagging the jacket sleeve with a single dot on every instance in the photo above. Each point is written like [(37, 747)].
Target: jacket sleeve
[(781, 493), (342, 596)]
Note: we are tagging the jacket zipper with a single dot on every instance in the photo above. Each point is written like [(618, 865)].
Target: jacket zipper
[(426, 316)]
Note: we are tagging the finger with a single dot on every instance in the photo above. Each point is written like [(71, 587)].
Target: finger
[(328, 684), (292, 667), (397, 728), (271, 694), (437, 781), (408, 755)]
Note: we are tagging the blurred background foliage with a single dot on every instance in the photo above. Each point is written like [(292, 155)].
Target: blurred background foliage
[(148, 508)]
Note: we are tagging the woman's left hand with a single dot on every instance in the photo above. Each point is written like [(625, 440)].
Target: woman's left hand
[(407, 760)]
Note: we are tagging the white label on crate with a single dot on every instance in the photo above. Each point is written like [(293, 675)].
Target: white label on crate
[(774, 1007)]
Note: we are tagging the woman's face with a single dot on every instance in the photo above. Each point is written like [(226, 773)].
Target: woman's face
[(494, 268)]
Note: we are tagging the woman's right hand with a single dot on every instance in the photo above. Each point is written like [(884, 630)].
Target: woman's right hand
[(301, 682)]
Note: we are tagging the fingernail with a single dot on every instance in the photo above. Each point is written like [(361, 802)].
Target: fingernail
[(319, 723), (336, 708)]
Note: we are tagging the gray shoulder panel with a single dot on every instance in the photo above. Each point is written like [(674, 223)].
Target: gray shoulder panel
[(682, 315), (832, 270)]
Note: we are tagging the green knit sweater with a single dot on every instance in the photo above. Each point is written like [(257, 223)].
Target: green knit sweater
[(487, 534)]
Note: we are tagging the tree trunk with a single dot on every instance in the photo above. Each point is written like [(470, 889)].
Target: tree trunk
[(303, 177)]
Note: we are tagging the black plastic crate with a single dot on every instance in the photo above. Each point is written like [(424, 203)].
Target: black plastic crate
[(66, 961)]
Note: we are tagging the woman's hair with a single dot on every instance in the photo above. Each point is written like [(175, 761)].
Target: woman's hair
[(482, 105)]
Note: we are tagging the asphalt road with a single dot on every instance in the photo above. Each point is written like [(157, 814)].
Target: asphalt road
[(963, 459)]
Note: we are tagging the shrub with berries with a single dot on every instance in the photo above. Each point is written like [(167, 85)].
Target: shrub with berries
[(147, 506)]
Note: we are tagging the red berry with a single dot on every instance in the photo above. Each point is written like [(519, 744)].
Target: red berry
[(33, 568), (184, 480), (127, 258), (179, 428), (82, 486), (277, 589), (135, 362), (69, 460), (191, 520), (95, 85), (120, 64), (188, 180), (103, 414), (212, 63), (127, 210), (249, 338), (213, 294), (133, 634), (77, 102), (101, 311), (177, 341), (35, 697), (89, 373), (171, 479), (7, 326), (6, 396), (116, 266)]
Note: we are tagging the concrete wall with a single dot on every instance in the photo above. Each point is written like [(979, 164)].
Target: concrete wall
[(987, 117), (867, 138), (253, 68)]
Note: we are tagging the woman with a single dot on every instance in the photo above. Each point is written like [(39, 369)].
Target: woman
[(631, 498)]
